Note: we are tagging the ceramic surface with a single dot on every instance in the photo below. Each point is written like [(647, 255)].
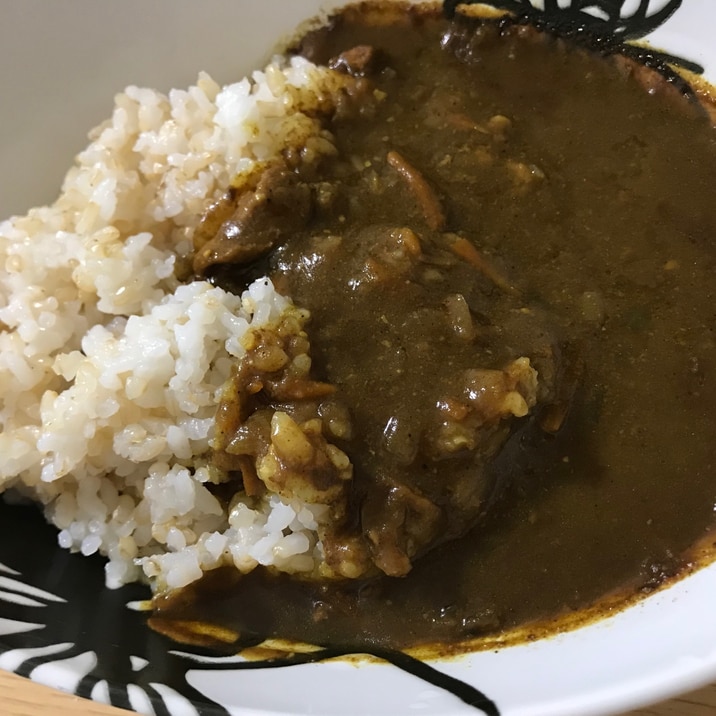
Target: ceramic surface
[(60, 65)]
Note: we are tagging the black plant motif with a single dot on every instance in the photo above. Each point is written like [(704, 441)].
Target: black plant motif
[(638, 24), (601, 24), (604, 16), (75, 617), (58, 609)]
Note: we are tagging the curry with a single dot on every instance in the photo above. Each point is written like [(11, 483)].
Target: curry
[(509, 268)]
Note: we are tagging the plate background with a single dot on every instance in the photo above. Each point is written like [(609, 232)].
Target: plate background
[(60, 65)]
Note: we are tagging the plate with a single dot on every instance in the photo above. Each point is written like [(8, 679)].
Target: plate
[(61, 627)]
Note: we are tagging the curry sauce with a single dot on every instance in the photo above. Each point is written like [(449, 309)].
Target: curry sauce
[(499, 195)]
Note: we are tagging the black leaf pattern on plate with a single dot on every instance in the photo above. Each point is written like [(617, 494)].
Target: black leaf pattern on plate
[(63, 612), (601, 23), (131, 665)]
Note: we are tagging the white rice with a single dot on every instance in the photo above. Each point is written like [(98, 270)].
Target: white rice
[(110, 369)]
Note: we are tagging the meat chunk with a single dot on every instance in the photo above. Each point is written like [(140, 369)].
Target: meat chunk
[(396, 438), (425, 359), (359, 61), (276, 426), (403, 516), (300, 462), (259, 221), (398, 523)]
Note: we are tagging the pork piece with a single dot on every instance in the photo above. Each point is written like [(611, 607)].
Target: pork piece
[(271, 413), (419, 336), (421, 365), (277, 427), (401, 521), (438, 362), (244, 228), (359, 61)]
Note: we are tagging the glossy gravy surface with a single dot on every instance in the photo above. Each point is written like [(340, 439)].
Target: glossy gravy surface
[(595, 199)]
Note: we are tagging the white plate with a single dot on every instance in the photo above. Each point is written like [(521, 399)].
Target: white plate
[(60, 65)]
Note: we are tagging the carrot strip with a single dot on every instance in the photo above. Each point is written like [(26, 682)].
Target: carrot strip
[(466, 250), (301, 389), (253, 486), (461, 121), (423, 192)]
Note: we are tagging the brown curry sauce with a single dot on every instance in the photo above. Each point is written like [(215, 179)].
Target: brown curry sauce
[(591, 197)]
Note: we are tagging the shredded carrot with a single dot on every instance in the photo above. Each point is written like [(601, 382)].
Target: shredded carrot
[(423, 192), (302, 389), (461, 121), (466, 250), (253, 486)]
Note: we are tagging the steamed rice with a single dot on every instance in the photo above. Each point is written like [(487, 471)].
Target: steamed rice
[(111, 369)]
